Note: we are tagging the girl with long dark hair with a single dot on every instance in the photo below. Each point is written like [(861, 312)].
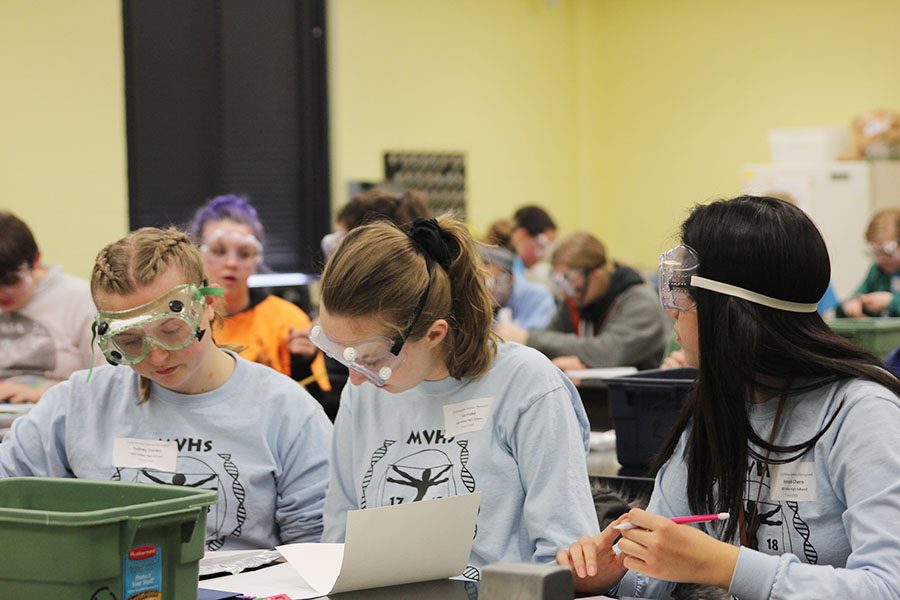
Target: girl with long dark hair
[(790, 429)]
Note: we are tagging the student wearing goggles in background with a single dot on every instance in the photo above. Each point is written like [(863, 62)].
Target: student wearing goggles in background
[(217, 421), (45, 317), (436, 406), (269, 329), (879, 293), (609, 317), (790, 428)]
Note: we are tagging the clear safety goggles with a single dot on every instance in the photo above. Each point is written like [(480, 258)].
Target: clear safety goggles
[(544, 246), (376, 357), (569, 283), (171, 322), (677, 278), (219, 244), (500, 286), (330, 242), (16, 280), (887, 249)]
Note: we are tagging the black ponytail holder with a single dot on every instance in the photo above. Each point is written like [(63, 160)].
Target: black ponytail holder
[(433, 240)]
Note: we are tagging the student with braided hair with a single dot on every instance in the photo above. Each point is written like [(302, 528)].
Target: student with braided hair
[(410, 315), (223, 423)]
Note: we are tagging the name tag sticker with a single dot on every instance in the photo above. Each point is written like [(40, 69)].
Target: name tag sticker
[(468, 416), (134, 453), (793, 482)]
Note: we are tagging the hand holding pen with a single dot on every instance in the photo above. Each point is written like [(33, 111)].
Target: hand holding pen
[(659, 547)]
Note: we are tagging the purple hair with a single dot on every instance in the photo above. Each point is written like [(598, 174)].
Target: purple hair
[(228, 207)]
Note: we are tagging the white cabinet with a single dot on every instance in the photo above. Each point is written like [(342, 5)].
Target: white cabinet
[(839, 197)]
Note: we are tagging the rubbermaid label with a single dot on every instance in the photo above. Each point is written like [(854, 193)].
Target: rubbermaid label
[(142, 573)]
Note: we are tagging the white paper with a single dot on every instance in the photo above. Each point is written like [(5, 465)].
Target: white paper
[(465, 417), (793, 482), (271, 581), (134, 453), (601, 373), (390, 545)]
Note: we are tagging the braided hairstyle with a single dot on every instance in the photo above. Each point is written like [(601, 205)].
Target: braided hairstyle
[(138, 259)]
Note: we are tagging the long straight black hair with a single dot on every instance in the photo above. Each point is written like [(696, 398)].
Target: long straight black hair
[(772, 248)]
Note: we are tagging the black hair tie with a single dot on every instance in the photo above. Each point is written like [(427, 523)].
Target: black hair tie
[(433, 240)]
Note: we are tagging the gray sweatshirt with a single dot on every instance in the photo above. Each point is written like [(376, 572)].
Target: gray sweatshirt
[(829, 520), (634, 333)]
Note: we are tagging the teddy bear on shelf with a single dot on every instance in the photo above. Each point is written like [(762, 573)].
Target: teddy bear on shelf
[(876, 134)]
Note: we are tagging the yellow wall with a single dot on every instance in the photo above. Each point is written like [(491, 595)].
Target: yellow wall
[(679, 94), (494, 79), (62, 140), (615, 114)]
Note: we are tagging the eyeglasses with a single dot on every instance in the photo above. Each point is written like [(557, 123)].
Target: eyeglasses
[(887, 249), (218, 245)]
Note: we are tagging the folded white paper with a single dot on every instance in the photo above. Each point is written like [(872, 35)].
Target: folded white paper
[(601, 373), (390, 545)]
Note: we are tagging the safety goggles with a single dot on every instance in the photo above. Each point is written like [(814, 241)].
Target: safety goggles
[(569, 283), (543, 245), (376, 357), (12, 281), (500, 286), (219, 244), (171, 322), (330, 242), (678, 277), (887, 249)]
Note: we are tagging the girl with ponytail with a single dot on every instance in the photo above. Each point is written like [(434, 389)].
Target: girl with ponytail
[(226, 424), (410, 315)]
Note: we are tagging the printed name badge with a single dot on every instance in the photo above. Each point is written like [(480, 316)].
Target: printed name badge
[(468, 416), (134, 453), (793, 482)]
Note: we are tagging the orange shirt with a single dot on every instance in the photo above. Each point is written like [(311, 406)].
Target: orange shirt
[(263, 330)]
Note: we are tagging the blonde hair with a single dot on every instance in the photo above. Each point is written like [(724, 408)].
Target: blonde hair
[(885, 220), (580, 250), (380, 271), (139, 259), (500, 233)]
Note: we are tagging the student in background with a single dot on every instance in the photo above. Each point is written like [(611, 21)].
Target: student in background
[(374, 204), (410, 316), (609, 317), (529, 305), (45, 317), (239, 428), (790, 429), (271, 330), (532, 239), (879, 293)]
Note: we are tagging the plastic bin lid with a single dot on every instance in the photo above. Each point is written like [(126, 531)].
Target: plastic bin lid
[(69, 501)]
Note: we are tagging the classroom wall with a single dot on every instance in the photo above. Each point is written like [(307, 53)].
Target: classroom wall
[(615, 114), (494, 79), (62, 118), (680, 94)]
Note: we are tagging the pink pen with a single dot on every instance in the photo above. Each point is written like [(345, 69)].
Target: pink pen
[(688, 519)]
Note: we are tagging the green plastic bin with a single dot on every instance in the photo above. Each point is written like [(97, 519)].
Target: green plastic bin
[(100, 540), (879, 335)]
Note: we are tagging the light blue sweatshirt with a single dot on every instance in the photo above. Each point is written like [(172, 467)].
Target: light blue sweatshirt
[(527, 459), (839, 537), (259, 440)]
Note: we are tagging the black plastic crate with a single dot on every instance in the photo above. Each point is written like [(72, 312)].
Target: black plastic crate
[(643, 407)]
